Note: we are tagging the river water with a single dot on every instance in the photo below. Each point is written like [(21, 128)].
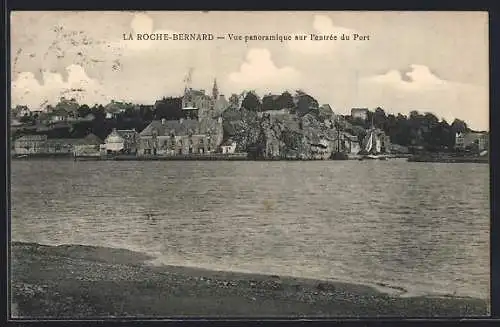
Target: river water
[(420, 226)]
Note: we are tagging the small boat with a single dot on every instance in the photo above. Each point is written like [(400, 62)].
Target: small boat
[(372, 147)]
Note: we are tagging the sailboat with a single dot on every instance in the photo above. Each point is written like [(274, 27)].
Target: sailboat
[(373, 146)]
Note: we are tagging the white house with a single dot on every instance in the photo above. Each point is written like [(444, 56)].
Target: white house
[(228, 147), (360, 113), (121, 141)]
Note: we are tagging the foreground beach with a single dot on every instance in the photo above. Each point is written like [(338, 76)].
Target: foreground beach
[(74, 281)]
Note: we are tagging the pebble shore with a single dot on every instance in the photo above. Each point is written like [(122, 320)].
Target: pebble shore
[(76, 281)]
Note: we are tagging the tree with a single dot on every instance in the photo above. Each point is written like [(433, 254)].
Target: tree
[(379, 118), (459, 126), (269, 103), (234, 100), (306, 103), (252, 102), (98, 111), (285, 100), (168, 108), (84, 110), (70, 105)]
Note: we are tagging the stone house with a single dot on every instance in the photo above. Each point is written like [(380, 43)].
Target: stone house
[(196, 104), (181, 137)]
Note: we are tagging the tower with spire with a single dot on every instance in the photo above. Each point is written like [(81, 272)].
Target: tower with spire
[(215, 90)]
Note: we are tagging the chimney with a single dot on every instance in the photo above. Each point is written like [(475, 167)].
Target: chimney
[(163, 120)]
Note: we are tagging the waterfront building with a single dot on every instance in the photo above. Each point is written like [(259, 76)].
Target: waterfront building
[(90, 145), (359, 113), (30, 144), (477, 140), (121, 141), (181, 137), (41, 144), (228, 147)]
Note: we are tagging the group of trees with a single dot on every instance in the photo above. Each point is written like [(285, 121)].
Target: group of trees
[(302, 103), (416, 129)]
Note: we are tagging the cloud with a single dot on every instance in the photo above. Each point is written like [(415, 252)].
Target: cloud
[(419, 77), (259, 72), (420, 89), (27, 90), (324, 26)]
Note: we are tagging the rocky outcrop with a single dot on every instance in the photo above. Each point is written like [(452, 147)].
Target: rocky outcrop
[(280, 136)]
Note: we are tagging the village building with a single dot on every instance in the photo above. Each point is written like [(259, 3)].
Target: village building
[(58, 115), (228, 147), (114, 109), (478, 141), (123, 141), (359, 113), (196, 104), (30, 144), (181, 137), (90, 146), (41, 144)]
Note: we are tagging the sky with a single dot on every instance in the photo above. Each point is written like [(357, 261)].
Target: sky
[(426, 61)]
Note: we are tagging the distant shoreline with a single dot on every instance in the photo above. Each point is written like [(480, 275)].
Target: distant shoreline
[(87, 281)]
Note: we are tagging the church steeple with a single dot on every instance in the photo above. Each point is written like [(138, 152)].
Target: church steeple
[(215, 90)]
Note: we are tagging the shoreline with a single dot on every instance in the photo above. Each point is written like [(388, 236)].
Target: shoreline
[(89, 281)]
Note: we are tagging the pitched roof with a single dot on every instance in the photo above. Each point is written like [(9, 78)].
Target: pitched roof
[(196, 93), (32, 137), (94, 139), (115, 107), (125, 132), (177, 127)]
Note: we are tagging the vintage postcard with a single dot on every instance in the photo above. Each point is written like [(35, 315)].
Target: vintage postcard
[(249, 164)]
